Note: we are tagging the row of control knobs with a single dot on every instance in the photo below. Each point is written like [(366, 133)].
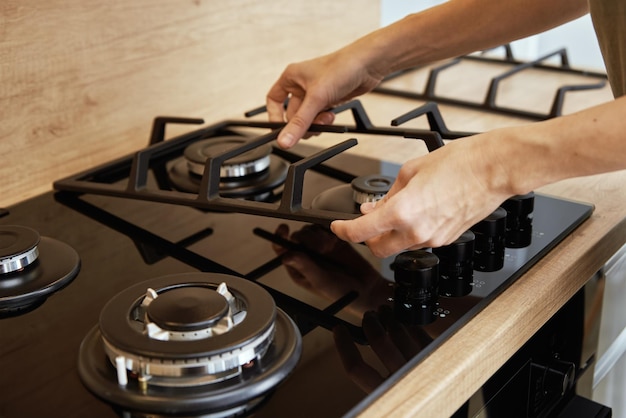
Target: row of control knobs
[(422, 276)]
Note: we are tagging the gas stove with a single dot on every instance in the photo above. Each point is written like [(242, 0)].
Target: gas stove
[(198, 276)]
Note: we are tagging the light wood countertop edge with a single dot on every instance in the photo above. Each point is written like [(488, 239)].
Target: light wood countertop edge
[(438, 386)]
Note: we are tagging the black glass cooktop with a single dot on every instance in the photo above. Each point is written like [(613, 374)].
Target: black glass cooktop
[(323, 285)]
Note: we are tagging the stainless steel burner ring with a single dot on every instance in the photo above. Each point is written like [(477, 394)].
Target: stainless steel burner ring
[(216, 374), (248, 163), (18, 248)]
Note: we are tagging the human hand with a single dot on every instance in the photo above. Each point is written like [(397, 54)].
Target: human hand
[(315, 85), (339, 269), (434, 199)]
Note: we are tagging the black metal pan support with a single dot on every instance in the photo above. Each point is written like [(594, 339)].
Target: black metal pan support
[(599, 80), (129, 176), (363, 124), (435, 121)]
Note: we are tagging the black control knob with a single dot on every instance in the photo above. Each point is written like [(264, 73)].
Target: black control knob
[(416, 275), (456, 266), (519, 220), (489, 243)]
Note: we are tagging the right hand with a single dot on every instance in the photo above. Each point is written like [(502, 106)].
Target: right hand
[(315, 85), (436, 197)]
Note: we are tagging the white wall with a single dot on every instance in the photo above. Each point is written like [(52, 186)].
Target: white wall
[(578, 36)]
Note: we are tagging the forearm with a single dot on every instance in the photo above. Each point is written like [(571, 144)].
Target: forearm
[(588, 142), (458, 27)]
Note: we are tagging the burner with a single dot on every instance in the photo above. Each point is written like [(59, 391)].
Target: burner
[(32, 268), (251, 175), (347, 198), (249, 163), (196, 343)]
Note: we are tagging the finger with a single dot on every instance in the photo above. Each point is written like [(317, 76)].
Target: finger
[(301, 120), (292, 106), (274, 102), (383, 243), (364, 227), (324, 118), (393, 242), (365, 376), (367, 207), (386, 230)]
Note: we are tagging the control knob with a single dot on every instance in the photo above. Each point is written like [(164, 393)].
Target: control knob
[(416, 274), (489, 241), (519, 220), (456, 266)]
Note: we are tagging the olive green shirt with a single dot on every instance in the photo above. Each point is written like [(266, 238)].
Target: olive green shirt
[(609, 21)]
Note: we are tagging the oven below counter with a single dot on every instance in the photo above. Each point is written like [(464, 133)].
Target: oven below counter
[(442, 383)]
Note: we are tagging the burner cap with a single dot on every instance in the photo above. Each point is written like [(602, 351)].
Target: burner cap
[(187, 309), (370, 188), (18, 247), (251, 162), (347, 197), (32, 268)]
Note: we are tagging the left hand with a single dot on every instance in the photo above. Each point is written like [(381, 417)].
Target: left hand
[(318, 84)]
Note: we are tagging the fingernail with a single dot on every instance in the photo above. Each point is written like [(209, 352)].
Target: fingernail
[(286, 140)]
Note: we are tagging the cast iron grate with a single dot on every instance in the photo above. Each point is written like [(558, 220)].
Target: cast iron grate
[(128, 176), (597, 81)]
